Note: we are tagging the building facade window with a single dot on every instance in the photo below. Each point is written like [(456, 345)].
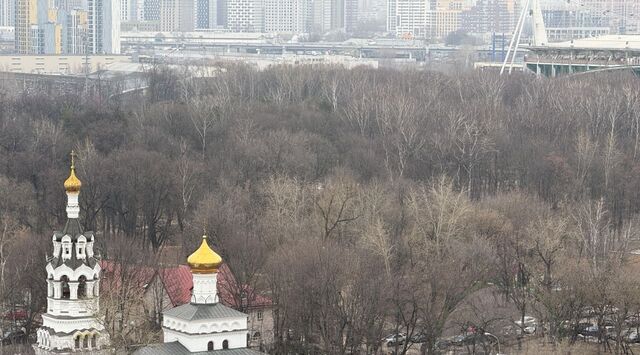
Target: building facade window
[(225, 344), (82, 287), (210, 346), (64, 284), (260, 315)]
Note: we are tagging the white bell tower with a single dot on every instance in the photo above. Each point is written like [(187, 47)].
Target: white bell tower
[(71, 323)]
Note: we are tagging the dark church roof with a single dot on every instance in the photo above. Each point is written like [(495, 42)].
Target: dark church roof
[(175, 348), (73, 229)]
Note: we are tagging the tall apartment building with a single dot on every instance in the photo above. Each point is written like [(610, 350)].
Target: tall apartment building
[(372, 10), (202, 18), (328, 15), (104, 26), (409, 18), (245, 15), (131, 10), (26, 19), (351, 15), (7, 12), (622, 16), (287, 16), (151, 10), (177, 15), (77, 31), (489, 16)]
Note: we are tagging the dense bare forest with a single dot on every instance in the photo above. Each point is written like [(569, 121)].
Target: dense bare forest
[(362, 202)]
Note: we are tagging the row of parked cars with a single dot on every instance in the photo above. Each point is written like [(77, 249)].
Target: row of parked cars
[(588, 329), (457, 340), (529, 325)]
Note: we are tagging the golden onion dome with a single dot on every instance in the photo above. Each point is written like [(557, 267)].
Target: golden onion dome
[(204, 260), (72, 184)]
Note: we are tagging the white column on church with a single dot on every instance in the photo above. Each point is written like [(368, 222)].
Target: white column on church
[(89, 289), (204, 288), (57, 289), (73, 289), (73, 208)]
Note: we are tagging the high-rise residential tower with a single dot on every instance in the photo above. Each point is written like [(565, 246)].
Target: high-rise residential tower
[(245, 15), (7, 12), (104, 26), (26, 19), (409, 18), (177, 15), (287, 16)]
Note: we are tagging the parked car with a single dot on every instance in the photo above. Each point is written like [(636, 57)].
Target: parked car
[(458, 340), (631, 336), (529, 325), (419, 338), (588, 329), (443, 344), (395, 339)]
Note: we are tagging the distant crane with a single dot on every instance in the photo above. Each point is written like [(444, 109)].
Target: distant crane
[(533, 9)]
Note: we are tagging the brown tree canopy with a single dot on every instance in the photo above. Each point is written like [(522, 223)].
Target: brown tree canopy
[(362, 201)]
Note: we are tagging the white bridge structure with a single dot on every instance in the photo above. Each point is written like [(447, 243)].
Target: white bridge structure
[(602, 53)]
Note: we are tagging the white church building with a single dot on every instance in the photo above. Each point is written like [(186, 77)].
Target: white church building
[(204, 326), (71, 323)]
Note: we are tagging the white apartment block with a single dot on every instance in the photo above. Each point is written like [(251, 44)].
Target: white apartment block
[(409, 18), (177, 15), (287, 16), (7, 13), (245, 15)]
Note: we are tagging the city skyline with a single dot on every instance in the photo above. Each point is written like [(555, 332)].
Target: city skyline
[(94, 26)]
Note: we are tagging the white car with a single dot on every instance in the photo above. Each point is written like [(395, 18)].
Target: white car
[(394, 339), (529, 326)]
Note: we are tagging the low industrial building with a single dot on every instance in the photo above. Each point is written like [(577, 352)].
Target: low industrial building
[(58, 64), (611, 52)]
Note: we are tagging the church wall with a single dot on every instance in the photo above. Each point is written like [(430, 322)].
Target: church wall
[(67, 325), (58, 307), (198, 342), (207, 326)]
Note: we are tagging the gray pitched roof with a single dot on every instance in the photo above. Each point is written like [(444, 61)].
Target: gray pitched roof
[(175, 348), (191, 311)]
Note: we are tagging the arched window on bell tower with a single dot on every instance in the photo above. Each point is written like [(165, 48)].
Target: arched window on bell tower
[(82, 287), (81, 247), (66, 247), (64, 285)]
